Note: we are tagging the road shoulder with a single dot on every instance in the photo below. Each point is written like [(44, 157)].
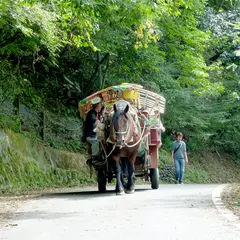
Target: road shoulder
[(9, 204), (8, 207), (231, 198), (217, 197)]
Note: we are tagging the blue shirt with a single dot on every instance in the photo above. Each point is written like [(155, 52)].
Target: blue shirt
[(179, 154)]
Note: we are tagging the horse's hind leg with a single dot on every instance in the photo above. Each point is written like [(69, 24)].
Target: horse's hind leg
[(119, 185)]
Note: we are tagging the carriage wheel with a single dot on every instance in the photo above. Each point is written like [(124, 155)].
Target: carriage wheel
[(154, 177), (102, 180)]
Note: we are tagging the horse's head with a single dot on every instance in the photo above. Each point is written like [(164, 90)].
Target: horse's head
[(121, 126)]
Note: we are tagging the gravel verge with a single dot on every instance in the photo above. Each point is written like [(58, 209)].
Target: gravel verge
[(231, 198), (9, 205)]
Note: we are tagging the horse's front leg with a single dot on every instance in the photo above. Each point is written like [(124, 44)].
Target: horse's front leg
[(124, 163), (131, 178), (123, 182), (119, 185)]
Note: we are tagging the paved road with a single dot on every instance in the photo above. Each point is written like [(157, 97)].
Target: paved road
[(173, 212)]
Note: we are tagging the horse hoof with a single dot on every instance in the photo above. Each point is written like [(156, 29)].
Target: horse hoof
[(120, 193), (130, 191)]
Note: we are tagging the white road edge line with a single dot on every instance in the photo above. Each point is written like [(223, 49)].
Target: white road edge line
[(216, 198)]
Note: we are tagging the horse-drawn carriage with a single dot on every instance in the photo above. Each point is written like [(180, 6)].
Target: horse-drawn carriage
[(129, 135)]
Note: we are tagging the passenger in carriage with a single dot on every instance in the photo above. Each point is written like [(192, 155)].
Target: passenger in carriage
[(159, 126), (92, 120)]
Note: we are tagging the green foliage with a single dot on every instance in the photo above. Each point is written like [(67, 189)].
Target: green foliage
[(164, 157), (221, 5), (13, 125), (195, 175), (70, 145), (51, 54), (44, 37)]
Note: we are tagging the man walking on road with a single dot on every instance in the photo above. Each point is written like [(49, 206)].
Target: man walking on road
[(179, 156)]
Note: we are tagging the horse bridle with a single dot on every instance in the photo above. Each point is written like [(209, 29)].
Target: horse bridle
[(124, 132)]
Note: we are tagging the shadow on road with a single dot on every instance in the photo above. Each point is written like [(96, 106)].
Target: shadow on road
[(85, 194), (71, 196), (70, 203)]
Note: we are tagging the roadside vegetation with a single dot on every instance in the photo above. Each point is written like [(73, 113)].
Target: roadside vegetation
[(205, 167), (27, 166)]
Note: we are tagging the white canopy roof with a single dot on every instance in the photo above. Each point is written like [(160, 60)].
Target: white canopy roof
[(152, 101)]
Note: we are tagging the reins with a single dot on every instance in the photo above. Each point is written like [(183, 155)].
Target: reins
[(143, 117), (140, 139)]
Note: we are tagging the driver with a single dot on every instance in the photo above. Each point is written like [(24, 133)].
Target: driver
[(92, 120)]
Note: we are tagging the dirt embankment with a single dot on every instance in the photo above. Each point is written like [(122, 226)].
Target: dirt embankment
[(231, 198)]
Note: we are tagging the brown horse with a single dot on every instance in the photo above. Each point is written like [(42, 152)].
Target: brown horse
[(123, 142)]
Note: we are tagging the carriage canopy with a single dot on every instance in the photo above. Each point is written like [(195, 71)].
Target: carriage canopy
[(135, 94)]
